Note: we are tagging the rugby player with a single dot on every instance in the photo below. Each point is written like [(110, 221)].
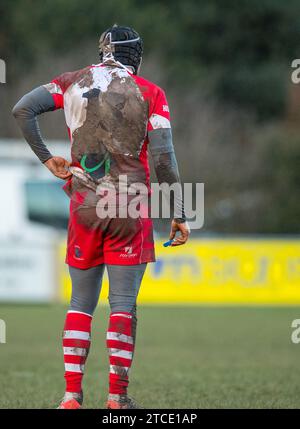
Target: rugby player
[(114, 117)]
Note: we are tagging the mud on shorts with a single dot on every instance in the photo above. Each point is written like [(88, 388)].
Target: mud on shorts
[(117, 241)]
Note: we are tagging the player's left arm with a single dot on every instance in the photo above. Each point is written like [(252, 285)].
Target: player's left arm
[(29, 107), (165, 163)]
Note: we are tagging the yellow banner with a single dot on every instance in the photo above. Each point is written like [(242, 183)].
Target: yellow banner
[(231, 271)]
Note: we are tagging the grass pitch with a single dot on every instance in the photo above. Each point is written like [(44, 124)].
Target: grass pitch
[(186, 357)]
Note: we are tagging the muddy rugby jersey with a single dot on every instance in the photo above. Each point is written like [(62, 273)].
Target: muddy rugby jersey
[(108, 112)]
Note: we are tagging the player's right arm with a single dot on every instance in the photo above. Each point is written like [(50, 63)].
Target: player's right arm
[(40, 100), (165, 164)]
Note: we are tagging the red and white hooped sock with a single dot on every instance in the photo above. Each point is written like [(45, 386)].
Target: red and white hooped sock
[(120, 343), (76, 345)]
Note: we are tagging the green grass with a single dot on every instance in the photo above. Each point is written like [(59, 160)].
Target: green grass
[(194, 357)]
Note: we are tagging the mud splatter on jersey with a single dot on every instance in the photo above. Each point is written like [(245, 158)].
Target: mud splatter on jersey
[(108, 112)]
